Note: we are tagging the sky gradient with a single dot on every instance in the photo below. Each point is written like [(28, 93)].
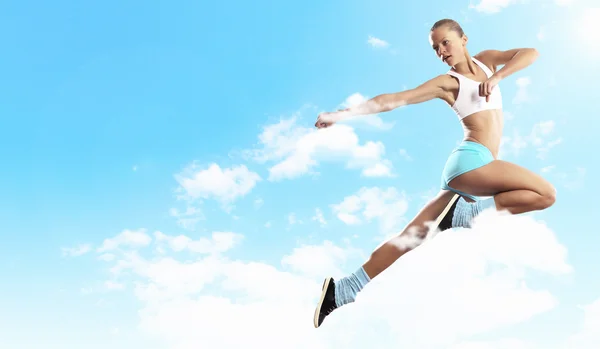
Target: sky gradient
[(164, 185)]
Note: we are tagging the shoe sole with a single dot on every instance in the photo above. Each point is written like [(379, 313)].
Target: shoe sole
[(441, 217), (324, 289)]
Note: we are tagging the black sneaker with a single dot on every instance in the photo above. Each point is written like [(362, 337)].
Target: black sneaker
[(326, 303), (446, 222)]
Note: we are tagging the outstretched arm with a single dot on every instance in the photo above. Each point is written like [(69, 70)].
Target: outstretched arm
[(434, 88), (513, 60)]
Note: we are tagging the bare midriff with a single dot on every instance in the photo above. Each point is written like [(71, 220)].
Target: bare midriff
[(485, 127)]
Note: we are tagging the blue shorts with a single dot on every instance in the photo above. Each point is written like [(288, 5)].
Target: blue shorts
[(464, 158)]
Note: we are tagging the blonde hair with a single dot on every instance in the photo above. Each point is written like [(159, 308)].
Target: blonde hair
[(450, 23)]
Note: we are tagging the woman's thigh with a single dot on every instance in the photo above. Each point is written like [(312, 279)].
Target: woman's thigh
[(501, 176)]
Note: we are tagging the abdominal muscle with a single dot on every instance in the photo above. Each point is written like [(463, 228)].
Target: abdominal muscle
[(485, 127)]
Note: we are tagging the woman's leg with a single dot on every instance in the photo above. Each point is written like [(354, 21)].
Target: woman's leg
[(343, 291), (410, 237), (515, 188)]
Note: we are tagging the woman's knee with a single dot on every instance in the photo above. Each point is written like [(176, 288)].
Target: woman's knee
[(548, 196)]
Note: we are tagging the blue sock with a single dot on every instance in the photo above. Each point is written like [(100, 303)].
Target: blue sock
[(482, 205), (462, 214), (465, 212), (347, 288)]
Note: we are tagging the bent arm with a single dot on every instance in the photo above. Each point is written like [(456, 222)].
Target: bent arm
[(513, 60), (429, 90)]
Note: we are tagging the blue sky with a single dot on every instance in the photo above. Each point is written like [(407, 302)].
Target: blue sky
[(157, 155)]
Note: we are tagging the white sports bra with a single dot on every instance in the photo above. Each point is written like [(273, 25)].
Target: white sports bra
[(468, 101)]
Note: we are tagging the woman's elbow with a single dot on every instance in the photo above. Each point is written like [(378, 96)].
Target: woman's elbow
[(534, 53)]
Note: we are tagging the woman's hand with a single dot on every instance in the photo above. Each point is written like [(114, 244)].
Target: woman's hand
[(486, 87), (325, 120)]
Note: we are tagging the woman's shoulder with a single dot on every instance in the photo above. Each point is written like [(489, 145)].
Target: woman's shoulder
[(488, 58), (446, 81)]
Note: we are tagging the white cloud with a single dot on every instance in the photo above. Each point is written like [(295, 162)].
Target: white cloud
[(129, 238), (479, 274), (272, 309), (316, 261), (112, 285), (107, 257), (319, 217), (539, 131), (544, 149), (377, 42), (292, 219), (540, 138), (492, 6), (496, 6), (218, 243), (508, 116), (583, 32), (423, 197), (541, 35), (483, 276), (382, 169), (542, 128), (298, 150), (505, 231), (509, 343), (522, 94), (77, 251), (165, 276), (404, 153), (577, 180), (548, 168), (189, 218), (386, 205), (572, 180), (372, 121), (588, 336), (564, 2), (225, 185), (280, 139), (512, 145)]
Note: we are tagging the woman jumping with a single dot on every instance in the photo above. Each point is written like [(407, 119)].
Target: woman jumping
[(471, 89)]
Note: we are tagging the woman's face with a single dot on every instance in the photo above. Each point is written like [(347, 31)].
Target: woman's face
[(448, 45)]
